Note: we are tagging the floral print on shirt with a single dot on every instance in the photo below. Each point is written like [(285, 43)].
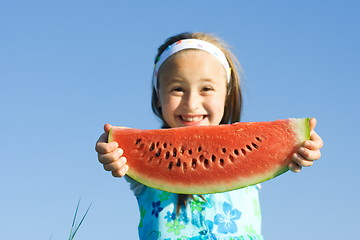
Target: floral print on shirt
[(231, 215), (226, 220)]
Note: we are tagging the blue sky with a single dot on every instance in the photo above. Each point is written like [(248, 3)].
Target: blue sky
[(68, 67)]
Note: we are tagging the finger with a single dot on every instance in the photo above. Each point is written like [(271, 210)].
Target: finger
[(315, 142), (102, 139), (104, 147), (309, 154), (100, 147), (120, 172), (301, 161), (312, 123), (107, 127), (116, 165), (111, 156), (104, 136), (294, 167), (317, 139), (101, 143)]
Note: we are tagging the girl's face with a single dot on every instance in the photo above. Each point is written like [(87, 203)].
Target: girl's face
[(192, 89)]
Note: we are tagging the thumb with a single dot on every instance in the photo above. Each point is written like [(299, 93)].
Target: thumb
[(107, 127), (313, 122)]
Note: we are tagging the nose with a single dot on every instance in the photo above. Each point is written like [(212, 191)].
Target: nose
[(192, 100)]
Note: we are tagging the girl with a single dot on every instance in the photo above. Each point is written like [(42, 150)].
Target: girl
[(196, 82)]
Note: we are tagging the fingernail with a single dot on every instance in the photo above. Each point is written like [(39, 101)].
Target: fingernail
[(123, 160), (120, 151), (124, 170), (113, 144)]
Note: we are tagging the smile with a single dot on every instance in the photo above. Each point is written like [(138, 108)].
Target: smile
[(192, 118)]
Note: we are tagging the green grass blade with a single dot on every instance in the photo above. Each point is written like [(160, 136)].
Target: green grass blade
[(74, 220), (81, 221)]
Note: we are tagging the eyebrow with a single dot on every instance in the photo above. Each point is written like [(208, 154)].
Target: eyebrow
[(207, 80), (177, 79), (169, 81)]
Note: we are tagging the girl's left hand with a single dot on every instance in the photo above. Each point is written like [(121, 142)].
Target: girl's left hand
[(308, 152)]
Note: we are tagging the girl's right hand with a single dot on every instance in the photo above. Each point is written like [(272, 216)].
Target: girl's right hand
[(110, 155)]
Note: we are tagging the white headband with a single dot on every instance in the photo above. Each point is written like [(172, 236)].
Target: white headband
[(191, 44)]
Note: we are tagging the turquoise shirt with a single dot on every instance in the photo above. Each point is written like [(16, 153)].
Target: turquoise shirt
[(229, 215)]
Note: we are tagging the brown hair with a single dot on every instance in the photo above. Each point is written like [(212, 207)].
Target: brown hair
[(233, 104)]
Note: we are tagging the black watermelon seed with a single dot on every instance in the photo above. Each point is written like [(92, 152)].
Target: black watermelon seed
[(184, 167), (206, 163), (243, 151), (193, 163), (152, 147), (158, 153), (170, 165), (222, 162), (182, 150)]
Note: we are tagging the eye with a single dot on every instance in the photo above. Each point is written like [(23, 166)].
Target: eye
[(207, 88), (177, 89)]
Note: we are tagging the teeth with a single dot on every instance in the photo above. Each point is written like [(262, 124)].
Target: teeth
[(192, 119)]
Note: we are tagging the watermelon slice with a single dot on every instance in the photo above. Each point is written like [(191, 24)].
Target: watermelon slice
[(210, 159)]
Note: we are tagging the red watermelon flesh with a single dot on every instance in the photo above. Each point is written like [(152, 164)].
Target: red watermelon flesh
[(210, 159)]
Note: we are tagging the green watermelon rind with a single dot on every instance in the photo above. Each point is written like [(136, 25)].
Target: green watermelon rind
[(301, 128)]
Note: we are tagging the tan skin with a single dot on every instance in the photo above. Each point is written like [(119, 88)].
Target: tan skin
[(193, 93)]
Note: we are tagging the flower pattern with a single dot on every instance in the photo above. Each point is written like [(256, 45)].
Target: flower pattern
[(170, 216), (208, 234), (175, 227), (164, 196), (156, 208), (183, 217), (208, 218), (197, 204), (226, 220)]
